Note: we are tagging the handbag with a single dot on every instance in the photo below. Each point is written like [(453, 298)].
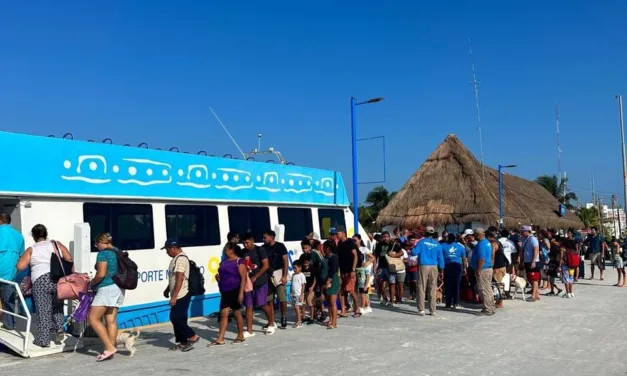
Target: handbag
[(70, 286), (277, 277), (248, 286), (58, 265), (395, 264)]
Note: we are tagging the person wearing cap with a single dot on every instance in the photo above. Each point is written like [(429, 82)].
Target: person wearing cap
[(481, 262), (430, 261), (333, 239), (530, 247), (178, 292), (469, 242)]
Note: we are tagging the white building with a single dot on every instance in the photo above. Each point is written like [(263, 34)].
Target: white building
[(614, 220)]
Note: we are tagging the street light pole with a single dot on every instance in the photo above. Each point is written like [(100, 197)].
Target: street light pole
[(354, 143), (354, 105), (622, 141), (501, 224)]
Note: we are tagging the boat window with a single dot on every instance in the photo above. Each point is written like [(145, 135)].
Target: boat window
[(130, 225), (330, 218), (253, 219), (297, 221), (194, 226)]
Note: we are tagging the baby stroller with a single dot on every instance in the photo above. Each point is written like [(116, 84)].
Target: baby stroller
[(79, 316)]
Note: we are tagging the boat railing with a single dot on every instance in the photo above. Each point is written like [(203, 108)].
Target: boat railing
[(19, 298)]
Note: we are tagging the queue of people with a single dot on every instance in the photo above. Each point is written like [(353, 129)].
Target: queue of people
[(330, 280)]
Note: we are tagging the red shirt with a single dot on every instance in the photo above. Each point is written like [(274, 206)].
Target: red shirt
[(414, 268)]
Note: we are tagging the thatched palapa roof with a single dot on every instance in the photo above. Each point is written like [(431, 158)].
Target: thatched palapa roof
[(449, 188)]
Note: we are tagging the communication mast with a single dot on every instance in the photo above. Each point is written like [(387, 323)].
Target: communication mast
[(476, 87)]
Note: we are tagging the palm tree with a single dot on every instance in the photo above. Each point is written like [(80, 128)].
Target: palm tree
[(377, 199), (589, 216), (557, 187)]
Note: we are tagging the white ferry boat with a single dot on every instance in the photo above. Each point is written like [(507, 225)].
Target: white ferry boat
[(144, 196)]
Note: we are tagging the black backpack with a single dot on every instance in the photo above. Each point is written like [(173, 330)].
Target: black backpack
[(196, 281), (127, 275)]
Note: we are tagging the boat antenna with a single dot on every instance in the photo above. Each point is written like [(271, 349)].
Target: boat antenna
[(476, 87), (227, 132)]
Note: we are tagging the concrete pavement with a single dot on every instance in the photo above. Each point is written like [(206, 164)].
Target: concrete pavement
[(580, 336)]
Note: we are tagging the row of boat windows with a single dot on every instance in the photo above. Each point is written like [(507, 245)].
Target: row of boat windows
[(132, 228)]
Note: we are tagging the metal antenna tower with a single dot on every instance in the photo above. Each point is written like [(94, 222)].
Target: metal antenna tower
[(559, 149), (476, 87)]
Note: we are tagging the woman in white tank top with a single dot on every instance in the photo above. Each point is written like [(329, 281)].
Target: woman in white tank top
[(49, 308)]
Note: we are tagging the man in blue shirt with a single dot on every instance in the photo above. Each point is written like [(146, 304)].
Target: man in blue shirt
[(597, 252), (454, 255), (11, 249), (531, 259), (481, 262), (430, 260)]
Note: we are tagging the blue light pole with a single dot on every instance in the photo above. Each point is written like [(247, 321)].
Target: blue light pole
[(501, 224), (354, 105)]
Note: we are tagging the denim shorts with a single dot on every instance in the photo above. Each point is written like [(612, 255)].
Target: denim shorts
[(109, 296), (383, 274)]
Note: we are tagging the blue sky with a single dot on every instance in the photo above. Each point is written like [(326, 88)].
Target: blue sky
[(147, 71)]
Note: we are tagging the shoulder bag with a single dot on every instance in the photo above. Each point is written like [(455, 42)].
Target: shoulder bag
[(395, 264), (69, 286)]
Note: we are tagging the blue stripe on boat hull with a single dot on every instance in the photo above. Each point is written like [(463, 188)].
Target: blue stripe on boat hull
[(159, 312)]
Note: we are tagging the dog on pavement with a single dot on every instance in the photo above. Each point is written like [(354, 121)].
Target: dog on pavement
[(519, 283), (128, 340)]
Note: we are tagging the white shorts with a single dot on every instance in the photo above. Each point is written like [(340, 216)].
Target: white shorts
[(109, 296)]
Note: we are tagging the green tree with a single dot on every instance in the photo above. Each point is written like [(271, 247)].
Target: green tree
[(376, 200), (589, 216), (558, 188)]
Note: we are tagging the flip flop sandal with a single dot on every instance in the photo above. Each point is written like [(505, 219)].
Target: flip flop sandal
[(176, 347), (357, 315), (192, 341), (187, 347), (105, 356), (331, 327), (212, 344), (342, 316), (237, 341)]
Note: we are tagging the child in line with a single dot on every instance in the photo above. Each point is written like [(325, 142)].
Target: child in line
[(310, 291), (299, 282)]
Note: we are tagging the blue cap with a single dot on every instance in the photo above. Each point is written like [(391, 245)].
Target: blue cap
[(171, 243), (332, 231)]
